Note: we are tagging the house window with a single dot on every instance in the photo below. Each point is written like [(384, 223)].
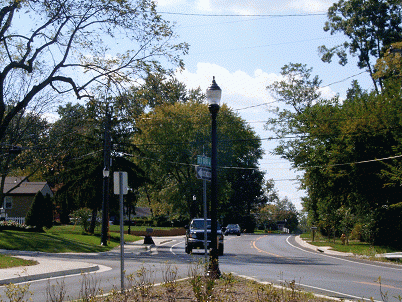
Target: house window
[(8, 202)]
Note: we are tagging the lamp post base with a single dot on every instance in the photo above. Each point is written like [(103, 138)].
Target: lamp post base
[(213, 267)]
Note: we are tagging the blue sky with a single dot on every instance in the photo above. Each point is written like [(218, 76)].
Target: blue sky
[(244, 44)]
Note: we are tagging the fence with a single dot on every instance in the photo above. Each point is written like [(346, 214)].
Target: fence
[(20, 220)]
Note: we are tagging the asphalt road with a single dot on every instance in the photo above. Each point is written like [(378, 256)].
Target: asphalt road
[(266, 258), (278, 259)]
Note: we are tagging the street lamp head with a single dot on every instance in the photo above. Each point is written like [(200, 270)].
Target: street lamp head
[(213, 94), (105, 172)]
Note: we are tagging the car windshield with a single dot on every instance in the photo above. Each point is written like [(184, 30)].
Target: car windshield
[(232, 226), (199, 224)]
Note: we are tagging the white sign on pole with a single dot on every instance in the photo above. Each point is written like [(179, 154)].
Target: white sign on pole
[(203, 173), (116, 183)]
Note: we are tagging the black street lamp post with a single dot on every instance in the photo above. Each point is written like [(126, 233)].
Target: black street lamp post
[(106, 169), (213, 97)]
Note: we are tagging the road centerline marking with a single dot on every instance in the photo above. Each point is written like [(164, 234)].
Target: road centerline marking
[(265, 252)]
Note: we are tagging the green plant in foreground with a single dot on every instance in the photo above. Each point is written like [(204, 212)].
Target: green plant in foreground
[(228, 281), (142, 282), (56, 292), (169, 274), (89, 288), (267, 293), (17, 293), (202, 285)]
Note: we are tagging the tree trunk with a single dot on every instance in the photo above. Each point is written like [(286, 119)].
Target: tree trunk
[(93, 221)]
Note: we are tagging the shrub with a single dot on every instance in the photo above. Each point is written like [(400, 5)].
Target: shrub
[(388, 226), (82, 217), (40, 213)]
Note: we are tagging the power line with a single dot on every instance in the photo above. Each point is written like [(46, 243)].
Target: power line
[(263, 104), (345, 79), (355, 163), (243, 15)]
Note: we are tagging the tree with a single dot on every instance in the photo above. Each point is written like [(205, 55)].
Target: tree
[(170, 138), (337, 145), (389, 66), (68, 48), (276, 210), (371, 26), (40, 213), (78, 166), (24, 148)]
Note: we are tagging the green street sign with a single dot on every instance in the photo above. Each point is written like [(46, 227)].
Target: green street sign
[(204, 161)]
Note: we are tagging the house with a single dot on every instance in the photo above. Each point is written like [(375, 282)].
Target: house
[(19, 195), (142, 212)]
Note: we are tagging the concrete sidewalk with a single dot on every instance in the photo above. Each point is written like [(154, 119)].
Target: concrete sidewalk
[(322, 249), (49, 267), (328, 250)]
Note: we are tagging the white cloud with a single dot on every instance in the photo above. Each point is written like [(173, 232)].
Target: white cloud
[(204, 5), (310, 5), (252, 6), (163, 3), (238, 88), (327, 92)]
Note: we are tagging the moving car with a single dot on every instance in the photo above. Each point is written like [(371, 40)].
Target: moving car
[(233, 229), (195, 235)]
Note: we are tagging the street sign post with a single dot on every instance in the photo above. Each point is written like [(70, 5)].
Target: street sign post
[(121, 188), (203, 173)]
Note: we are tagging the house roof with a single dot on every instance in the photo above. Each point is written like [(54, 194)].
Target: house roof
[(25, 187), (142, 212)]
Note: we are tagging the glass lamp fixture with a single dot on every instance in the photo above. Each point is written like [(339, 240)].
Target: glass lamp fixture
[(214, 93)]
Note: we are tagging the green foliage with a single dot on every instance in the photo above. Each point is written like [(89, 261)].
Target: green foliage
[(78, 133), (170, 138), (82, 217), (18, 293), (388, 226), (40, 213), (337, 144), (370, 27), (276, 210)]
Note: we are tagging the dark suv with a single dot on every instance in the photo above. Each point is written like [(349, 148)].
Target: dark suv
[(233, 229), (195, 235)]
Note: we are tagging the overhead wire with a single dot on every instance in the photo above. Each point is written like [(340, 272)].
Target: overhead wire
[(243, 15), (258, 168)]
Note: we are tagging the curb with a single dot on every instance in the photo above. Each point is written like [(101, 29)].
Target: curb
[(50, 268), (49, 275), (321, 249)]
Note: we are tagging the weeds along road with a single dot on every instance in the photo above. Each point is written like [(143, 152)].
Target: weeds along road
[(266, 258)]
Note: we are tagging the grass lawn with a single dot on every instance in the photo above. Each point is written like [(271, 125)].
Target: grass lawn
[(59, 239), (9, 261), (354, 246)]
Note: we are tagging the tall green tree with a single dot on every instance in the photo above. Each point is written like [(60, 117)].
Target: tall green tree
[(370, 27), (337, 144), (172, 135), (78, 164)]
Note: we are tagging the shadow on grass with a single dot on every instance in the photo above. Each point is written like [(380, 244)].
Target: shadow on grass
[(45, 242)]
